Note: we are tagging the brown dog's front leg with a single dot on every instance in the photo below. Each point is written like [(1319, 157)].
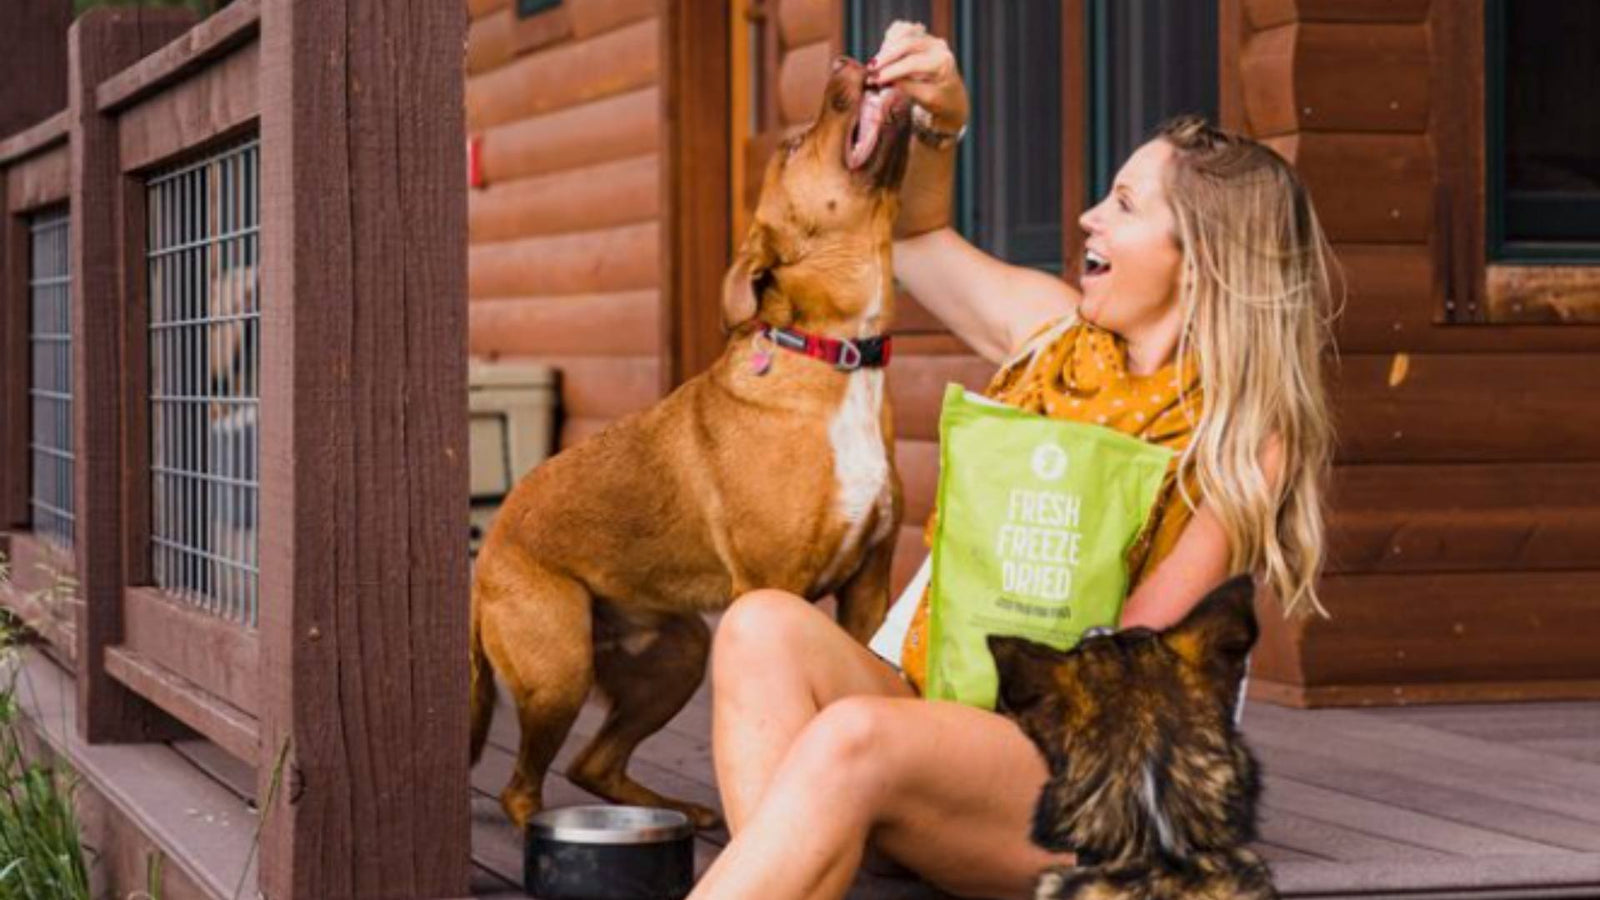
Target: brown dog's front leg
[(864, 599)]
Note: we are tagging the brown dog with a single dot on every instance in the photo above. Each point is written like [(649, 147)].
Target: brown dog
[(770, 470)]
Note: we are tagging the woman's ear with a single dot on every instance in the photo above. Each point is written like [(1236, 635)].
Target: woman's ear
[(741, 298)]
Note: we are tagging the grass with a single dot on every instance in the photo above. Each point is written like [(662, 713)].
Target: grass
[(42, 856)]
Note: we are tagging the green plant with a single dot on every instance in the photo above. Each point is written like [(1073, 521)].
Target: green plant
[(41, 855)]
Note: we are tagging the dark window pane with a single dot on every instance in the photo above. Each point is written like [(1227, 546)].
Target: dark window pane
[(869, 19), (526, 8), (1150, 60), (1011, 168), (1548, 151)]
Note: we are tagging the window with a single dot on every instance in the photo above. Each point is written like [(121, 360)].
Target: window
[(204, 223), (526, 8), (50, 377), (1542, 139), (1150, 60), (1008, 179)]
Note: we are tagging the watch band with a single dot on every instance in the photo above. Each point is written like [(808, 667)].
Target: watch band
[(922, 127)]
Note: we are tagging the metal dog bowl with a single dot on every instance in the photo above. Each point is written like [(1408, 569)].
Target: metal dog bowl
[(609, 853)]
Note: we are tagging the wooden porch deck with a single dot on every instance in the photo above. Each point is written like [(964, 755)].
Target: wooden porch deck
[(1490, 801), (1484, 801)]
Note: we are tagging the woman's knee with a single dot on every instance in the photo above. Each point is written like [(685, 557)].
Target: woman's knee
[(849, 746), (757, 629)]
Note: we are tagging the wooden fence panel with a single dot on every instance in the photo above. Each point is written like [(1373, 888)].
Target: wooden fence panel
[(99, 44), (364, 566)]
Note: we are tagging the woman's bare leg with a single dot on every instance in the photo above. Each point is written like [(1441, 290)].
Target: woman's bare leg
[(944, 789), (776, 661)]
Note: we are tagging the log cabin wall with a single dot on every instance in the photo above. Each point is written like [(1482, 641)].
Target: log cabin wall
[(1466, 506), (564, 110)]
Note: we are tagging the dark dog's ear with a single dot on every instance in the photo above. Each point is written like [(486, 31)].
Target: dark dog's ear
[(1027, 672), (741, 297), (1220, 630)]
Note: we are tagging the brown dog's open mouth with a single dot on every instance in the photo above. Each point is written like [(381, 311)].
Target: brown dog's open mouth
[(879, 128)]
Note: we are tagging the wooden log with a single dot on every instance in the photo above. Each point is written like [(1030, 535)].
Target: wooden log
[(801, 80), (803, 22), (911, 317), (102, 41), (909, 552), (1548, 295), (618, 127), (477, 9), (592, 17), (1496, 487), (616, 259), (1462, 539), (606, 387), (918, 464), (491, 41), (1367, 187), (623, 324), (1337, 77), (916, 388), (363, 559), (1393, 303), (38, 180), (1454, 627), (565, 75), (196, 49), (625, 192), (1467, 408), (210, 102), (1269, 13)]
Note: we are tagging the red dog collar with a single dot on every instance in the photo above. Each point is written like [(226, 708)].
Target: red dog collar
[(845, 355)]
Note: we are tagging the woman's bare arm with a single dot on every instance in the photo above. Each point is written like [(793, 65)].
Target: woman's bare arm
[(991, 305)]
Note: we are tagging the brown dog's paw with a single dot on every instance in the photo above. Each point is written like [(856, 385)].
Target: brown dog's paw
[(520, 805), (702, 818)]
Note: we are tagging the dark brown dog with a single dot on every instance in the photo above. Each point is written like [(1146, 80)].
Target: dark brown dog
[(1150, 783), (770, 470)]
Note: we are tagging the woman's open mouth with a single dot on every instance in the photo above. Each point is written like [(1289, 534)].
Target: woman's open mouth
[(1094, 264)]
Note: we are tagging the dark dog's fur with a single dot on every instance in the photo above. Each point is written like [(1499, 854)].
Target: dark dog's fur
[(1150, 783)]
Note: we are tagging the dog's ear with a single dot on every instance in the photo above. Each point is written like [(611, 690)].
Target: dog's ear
[(741, 292), (1220, 630), (1027, 672)]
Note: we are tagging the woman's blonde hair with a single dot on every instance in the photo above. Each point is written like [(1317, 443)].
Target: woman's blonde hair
[(1256, 294)]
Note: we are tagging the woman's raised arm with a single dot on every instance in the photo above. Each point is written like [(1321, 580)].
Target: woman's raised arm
[(991, 305)]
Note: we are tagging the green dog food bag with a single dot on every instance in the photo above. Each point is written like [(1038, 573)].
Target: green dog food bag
[(1036, 516)]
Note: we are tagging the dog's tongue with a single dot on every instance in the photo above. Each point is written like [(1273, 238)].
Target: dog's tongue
[(868, 125)]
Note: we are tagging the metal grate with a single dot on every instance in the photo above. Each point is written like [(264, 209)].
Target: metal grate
[(205, 310), (50, 379)]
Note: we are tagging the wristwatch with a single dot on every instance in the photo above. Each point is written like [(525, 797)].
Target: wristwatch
[(922, 127)]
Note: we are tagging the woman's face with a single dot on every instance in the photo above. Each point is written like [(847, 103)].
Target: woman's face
[(1130, 271)]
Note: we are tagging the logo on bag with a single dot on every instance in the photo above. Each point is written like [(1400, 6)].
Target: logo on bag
[(1049, 462)]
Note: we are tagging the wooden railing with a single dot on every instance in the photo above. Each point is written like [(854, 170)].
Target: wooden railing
[(298, 596)]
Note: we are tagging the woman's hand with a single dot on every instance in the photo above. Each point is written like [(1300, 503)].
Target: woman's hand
[(922, 66)]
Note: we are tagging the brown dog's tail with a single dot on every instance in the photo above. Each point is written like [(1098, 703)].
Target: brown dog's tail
[(482, 690)]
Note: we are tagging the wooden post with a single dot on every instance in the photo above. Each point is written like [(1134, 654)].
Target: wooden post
[(694, 182), (99, 44), (364, 592), (33, 62), (14, 266)]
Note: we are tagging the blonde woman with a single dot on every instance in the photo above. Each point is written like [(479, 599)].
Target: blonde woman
[(1199, 324)]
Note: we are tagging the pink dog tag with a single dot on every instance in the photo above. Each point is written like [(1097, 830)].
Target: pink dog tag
[(761, 362)]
